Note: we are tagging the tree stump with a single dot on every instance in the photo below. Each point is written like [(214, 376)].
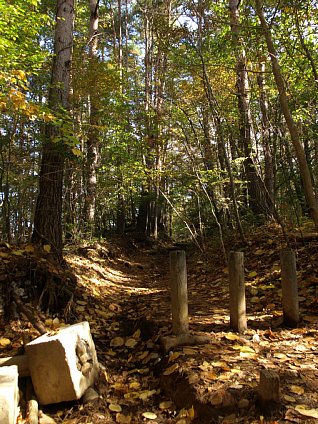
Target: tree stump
[(269, 390)]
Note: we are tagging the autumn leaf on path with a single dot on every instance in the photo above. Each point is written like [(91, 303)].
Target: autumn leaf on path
[(171, 369)]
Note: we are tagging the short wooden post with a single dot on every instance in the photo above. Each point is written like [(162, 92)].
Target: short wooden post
[(269, 391), (179, 292), (289, 287), (237, 292)]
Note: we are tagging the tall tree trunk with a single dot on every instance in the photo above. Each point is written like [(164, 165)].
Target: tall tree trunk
[(294, 135), (144, 203), (48, 211), (93, 133), (256, 197), (266, 136)]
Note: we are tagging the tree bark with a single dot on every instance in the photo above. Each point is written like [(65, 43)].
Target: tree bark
[(93, 133), (48, 211), (266, 136), (256, 197), (294, 135)]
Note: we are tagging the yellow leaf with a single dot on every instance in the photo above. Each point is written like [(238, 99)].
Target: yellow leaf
[(29, 248), (55, 323), (171, 369), (136, 334), (189, 351), (149, 415), (210, 375), (48, 322), (302, 409), (115, 407), (174, 356), (221, 364), (131, 343), (76, 152), (17, 252), (252, 274), (299, 390), (146, 394), (135, 385), (117, 341), (247, 354), (47, 248), (289, 398), (280, 356), (123, 419), (131, 395), (80, 308), (259, 252), (191, 413), (4, 342), (232, 336), (165, 404)]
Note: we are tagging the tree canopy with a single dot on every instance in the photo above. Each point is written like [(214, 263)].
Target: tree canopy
[(175, 123)]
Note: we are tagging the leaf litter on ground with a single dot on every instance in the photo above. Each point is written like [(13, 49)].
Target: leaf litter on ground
[(129, 308)]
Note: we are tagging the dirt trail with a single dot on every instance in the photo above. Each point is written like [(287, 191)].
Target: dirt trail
[(129, 309), (122, 291)]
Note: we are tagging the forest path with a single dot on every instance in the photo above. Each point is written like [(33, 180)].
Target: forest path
[(123, 293)]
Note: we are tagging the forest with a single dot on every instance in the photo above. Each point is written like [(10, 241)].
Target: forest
[(129, 130)]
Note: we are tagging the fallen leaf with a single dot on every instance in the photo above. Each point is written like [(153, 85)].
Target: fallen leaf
[(117, 342), (174, 356), (123, 419), (115, 407), (299, 390), (232, 336), (146, 394), (165, 404), (47, 248), (29, 248), (149, 415), (252, 274), (189, 351), (302, 409), (289, 398), (135, 385), (136, 334), (131, 343), (4, 342), (171, 369), (209, 375)]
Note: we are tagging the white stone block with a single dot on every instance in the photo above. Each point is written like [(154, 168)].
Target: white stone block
[(9, 394), (62, 364)]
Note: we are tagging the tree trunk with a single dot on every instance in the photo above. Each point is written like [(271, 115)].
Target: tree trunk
[(48, 211), (294, 135), (93, 133), (256, 196), (266, 136)]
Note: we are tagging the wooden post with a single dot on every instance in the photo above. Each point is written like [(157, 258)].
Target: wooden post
[(269, 391), (289, 287), (237, 292), (179, 292)]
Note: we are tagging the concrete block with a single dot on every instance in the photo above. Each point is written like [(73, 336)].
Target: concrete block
[(9, 394), (62, 364)]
